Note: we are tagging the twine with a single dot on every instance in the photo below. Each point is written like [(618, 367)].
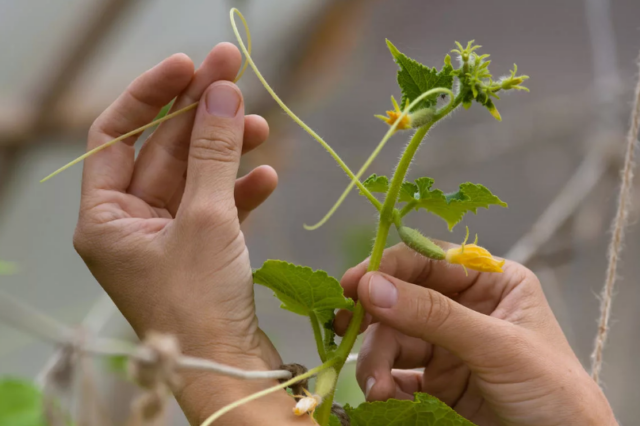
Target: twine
[(158, 377), (617, 238)]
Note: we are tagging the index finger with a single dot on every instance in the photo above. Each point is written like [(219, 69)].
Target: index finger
[(112, 168), (405, 264)]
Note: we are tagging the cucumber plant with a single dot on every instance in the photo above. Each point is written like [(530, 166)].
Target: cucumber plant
[(428, 96), (316, 295)]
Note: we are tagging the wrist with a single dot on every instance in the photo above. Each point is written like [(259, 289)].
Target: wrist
[(203, 394), (595, 411)]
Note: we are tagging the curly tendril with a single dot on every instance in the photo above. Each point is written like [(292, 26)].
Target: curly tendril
[(374, 154)]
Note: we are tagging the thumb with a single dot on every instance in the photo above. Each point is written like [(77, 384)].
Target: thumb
[(429, 315), (215, 150)]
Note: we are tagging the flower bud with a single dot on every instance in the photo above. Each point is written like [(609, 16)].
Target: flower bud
[(413, 120)]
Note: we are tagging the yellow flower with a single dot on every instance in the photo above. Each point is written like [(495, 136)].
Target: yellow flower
[(306, 404), (394, 115), (473, 256)]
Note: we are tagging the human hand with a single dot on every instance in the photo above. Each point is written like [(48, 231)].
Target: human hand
[(161, 232), (489, 344)]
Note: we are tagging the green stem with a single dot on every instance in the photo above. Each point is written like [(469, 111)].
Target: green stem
[(325, 387), (388, 216), (317, 334), (323, 413), (407, 208), (384, 224)]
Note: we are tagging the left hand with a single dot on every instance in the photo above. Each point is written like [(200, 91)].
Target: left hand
[(161, 232)]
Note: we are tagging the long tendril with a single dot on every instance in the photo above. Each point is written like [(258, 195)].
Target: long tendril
[(294, 117), (153, 123), (376, 151)]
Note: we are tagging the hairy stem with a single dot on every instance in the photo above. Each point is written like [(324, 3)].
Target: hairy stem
[(388, 216), (325, 387), (317, 334), (407, 209), (384, 224)]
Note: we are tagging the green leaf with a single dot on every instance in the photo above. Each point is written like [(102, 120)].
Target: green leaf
[(414, 79), (329, 336), (303, 290), (20, 403), (117, 364), (375, 183), (426, 410), (165, 110), (408, 192), (334, 421), (7, 268), (452, 207)]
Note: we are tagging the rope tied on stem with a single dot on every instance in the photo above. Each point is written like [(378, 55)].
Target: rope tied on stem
[(158, 376), (297, 388), (60, 379)]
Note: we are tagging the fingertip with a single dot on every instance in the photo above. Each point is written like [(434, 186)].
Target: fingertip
[(363, 286), (350, 280), (343, 318), (259, 124), (268, 178), (380, 386), (229, 49), (254, 188), (341, 321), (228, 56), (256, 132), (183, 63)]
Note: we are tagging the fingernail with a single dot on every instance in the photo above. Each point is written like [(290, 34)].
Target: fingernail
[(371, 381), (382, 293), (222, 101)]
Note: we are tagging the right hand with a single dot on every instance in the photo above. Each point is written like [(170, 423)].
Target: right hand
[(489, 343)]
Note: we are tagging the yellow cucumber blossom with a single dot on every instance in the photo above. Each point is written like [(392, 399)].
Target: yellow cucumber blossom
[(394, 115), (412, 120), (473, 256)]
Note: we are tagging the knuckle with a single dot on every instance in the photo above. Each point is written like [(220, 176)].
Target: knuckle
[(204, 215), (522, 278), (221, 145), (514, 342), (96, 129), (432, 309)]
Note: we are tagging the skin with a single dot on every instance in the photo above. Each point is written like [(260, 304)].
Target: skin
[(161, 234), (489, 344)]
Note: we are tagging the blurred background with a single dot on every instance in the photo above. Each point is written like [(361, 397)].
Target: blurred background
[(554, 158)]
